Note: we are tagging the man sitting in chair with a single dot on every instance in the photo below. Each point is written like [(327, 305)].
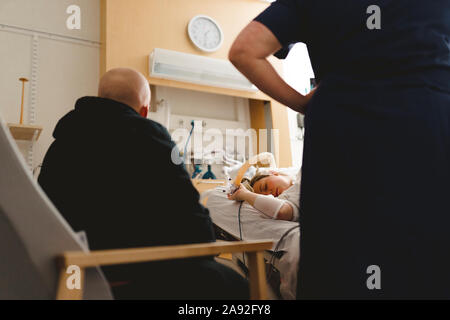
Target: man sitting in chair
[(110, 173)]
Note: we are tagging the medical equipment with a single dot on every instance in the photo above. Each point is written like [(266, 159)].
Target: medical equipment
[(197, 171), (209, 174)]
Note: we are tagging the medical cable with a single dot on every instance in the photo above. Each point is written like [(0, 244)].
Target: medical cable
[(275, 251), (187, 142), (240, 230)]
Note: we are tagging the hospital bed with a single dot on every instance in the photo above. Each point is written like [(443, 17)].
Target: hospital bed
[(240, 221)]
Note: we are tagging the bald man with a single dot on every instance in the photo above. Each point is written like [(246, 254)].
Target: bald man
[(126, 86), (109, 172)]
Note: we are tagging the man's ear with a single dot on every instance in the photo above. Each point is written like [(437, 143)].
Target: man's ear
[(144, 111)]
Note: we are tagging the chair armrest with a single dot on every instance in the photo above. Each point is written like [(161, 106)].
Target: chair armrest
[(135, 255)]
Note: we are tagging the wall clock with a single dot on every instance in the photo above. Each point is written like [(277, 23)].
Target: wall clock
[(205, 33)]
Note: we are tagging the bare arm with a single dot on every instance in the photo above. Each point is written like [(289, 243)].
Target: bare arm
[(249, 54)]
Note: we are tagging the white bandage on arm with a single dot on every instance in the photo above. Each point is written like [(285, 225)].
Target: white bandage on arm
[(268, 205), (295, 211)]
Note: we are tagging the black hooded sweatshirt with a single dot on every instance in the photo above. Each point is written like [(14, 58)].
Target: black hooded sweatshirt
[(109, 172)]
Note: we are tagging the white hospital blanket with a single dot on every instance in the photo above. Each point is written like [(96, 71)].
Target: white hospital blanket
[(254, 226)]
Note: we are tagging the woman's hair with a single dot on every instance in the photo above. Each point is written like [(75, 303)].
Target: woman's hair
[(249, 183), (246, 183)]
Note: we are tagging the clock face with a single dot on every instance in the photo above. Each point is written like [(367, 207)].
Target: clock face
[(205, 33)]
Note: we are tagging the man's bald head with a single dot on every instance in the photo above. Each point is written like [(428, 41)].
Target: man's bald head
[(127, 86)]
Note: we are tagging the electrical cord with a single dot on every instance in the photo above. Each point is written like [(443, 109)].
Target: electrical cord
[(187, 142), (240, 229), (275, 251)]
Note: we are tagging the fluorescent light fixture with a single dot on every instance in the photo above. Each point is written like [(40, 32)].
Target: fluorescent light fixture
[(173, 65)]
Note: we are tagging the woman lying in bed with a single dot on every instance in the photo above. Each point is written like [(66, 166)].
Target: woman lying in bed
[(274, 194)]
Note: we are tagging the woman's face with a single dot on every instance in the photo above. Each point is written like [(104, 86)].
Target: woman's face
[(274, 184)]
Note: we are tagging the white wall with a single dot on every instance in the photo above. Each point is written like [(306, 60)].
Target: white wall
[(215, 111), (66, 62), (50, 16)]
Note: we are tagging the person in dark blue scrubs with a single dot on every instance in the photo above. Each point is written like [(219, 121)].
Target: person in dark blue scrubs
[(375, 198)]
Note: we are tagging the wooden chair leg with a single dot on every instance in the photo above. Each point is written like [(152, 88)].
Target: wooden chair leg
[(257, 275), (66, 293)]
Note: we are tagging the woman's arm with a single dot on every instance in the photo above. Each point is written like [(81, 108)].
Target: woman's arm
[(267, 205), (243, 194), (286, 212), (249, 54)]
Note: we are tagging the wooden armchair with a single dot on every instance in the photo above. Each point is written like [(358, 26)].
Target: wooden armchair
[(83, 260)]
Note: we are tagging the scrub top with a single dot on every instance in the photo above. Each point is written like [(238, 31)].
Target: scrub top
[(375, 194)]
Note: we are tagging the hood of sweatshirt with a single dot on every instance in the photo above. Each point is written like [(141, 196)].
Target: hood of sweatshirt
[(92, 114)]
